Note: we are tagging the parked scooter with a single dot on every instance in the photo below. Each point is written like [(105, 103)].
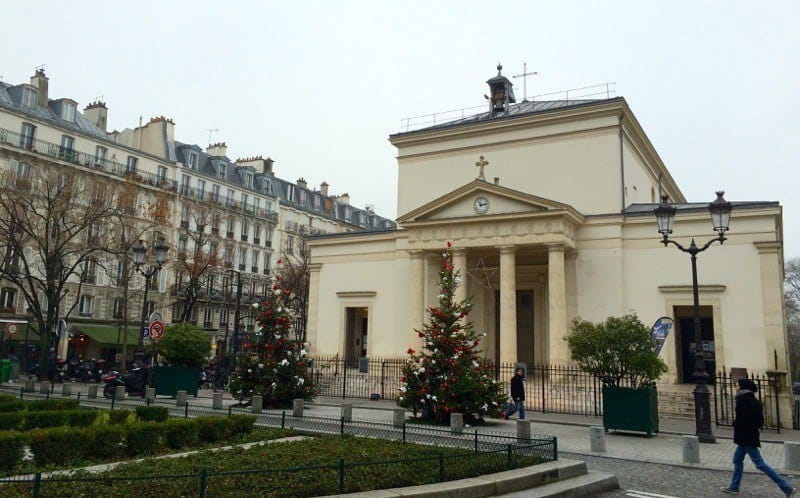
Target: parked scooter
[(92, 370), (135, 382)]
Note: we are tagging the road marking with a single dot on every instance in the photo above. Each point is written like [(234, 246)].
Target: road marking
[(645, 494)]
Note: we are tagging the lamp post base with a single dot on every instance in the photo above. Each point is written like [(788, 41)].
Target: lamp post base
[(702, 413)]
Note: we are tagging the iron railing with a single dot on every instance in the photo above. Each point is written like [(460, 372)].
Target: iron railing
[(725, 388), (91, 161)]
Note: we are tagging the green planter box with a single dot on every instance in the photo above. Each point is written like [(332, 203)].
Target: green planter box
[(629, 409), (169, 380)]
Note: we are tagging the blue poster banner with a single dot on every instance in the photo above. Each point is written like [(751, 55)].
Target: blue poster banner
[(660, 332)]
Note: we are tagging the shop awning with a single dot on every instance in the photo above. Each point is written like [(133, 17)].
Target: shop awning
[(108, 333)]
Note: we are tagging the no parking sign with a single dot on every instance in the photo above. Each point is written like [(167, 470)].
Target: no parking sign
[(156, 330)]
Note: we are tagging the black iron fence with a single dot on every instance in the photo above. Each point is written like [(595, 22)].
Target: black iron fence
[(725, 388)]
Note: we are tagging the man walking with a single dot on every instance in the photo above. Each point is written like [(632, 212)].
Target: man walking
[(517, 394), (746, 425)]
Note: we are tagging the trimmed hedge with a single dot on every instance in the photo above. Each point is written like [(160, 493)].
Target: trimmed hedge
[(59, 445), (118, 416), (56, 418), (5, 398), (241, 424), (52, 404), (143, 438), (13, 405), (152, 413), (181, 432), (12, 444), (108, 441), (11, 421), (213, 429)]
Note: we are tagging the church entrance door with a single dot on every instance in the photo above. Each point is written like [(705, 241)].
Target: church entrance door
[(355, 346)]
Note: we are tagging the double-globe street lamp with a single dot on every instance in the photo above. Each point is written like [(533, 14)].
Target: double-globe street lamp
[(139, 250), (720, 211)]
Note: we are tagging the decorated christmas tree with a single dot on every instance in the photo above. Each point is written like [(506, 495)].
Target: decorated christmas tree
[(448, 375), (274, 366)]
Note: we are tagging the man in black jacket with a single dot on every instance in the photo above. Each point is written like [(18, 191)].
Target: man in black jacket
[(746, 425), (517, 394)]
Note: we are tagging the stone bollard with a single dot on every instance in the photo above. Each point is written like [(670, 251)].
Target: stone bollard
[(149, 394), (120, 394), (30, 385), (180, 399), (597, 439), (256, 403), (217, 403), (524, 429), (347, 412), (398, 417), (457, 423), (66, 389), (91, 391), (297, 408), (791, 452), (691, 449)]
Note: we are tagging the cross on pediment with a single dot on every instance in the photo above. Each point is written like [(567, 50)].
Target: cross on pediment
[(481, 163)]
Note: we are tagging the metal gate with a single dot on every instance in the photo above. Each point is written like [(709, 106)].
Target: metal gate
[(725, 388)]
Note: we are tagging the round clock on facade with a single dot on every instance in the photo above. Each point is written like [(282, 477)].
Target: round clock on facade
[(481, 205)]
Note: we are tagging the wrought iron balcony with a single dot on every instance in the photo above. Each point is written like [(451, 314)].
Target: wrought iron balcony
[(16, 140)]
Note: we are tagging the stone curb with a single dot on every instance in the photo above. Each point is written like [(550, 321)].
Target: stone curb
[(509, 481)]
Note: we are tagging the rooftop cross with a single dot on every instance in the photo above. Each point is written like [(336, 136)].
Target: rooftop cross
[(524, 77), (481, 163)]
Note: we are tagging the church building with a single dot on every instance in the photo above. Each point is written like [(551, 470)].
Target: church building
[(549, 207)]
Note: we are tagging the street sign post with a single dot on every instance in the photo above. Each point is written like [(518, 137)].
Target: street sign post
[(156, 330)]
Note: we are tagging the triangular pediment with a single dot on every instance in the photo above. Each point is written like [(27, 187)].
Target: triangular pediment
[(481, 199)]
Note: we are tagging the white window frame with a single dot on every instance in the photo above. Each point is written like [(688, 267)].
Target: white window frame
[(29, 97), (68, 111)]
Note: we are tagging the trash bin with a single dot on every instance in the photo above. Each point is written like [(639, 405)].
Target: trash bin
[(5, 370), (14, 375)]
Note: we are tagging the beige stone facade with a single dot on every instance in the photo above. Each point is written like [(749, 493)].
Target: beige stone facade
[(562, 227)]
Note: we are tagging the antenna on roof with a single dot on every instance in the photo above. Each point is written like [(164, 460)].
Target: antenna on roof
[(99, 98), (41, 67), (211, 132), (524, 77)]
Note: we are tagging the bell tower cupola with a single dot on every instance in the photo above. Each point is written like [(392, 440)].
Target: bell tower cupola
[(501, 92)]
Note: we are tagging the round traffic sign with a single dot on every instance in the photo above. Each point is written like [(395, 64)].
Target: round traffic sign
[(156, 330), (12, 328)]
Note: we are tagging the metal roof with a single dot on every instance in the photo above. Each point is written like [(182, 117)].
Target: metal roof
[(647, 209)]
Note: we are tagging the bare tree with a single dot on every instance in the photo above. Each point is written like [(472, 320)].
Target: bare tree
[(45, 216), (198, 257), (791, 289), (295, 275)]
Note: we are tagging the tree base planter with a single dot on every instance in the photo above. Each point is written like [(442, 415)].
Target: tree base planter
[(630, 409), (169, 380)]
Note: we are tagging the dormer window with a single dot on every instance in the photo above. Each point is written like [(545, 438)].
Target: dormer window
[(347, 214), (192, 160), (68, 111), (248, 180), (317, 202), (222, 170), (29, 97)]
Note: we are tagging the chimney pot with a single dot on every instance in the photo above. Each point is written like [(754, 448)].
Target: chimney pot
[(323, 188), (497, 180)]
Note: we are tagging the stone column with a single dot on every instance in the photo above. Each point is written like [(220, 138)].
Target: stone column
[(313, 304), (460, 266), (508, 305), (557, 305), (416, 292)]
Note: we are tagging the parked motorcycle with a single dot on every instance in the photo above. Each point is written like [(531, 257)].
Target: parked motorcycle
[(135, 382), (73, 370), (92, 371), (205, 378)]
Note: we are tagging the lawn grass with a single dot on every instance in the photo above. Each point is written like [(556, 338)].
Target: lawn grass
[(263, 471)]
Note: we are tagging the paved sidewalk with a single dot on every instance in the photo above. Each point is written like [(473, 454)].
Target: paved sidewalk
[(571, 430)]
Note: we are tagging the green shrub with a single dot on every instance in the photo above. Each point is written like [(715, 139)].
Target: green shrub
[(213, 429), (241, 424), (52, 404), (184, 344), (118, 416), (13, 405), (152, 413), (81, 418), (5, 398), (11, 421), (12, 444), (59, 445), (45, 419), (107, 442), (181, 432), (142, 438)]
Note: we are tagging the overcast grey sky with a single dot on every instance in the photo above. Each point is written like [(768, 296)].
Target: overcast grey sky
[(319, 86)]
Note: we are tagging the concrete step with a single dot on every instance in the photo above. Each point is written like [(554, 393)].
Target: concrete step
[(590, 484)]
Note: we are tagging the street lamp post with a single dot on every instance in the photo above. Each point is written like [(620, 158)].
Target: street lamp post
[(139, 250), (720, 211)]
